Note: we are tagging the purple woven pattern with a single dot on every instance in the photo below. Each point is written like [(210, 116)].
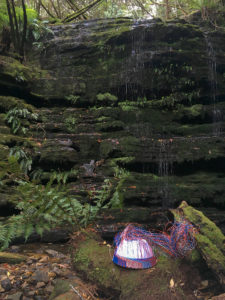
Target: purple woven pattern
[(178, 243), (134, 263)]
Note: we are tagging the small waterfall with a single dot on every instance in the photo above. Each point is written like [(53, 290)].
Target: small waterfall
[(212, 75), (136, 61), (165, 169)]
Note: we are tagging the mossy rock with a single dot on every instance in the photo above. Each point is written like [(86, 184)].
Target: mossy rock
[(110, 126), (93, 259), (13, 140), (5, 130), (54, 154), (210, 240), (14, 74), (8, 102), (61, 287), (4, 152)]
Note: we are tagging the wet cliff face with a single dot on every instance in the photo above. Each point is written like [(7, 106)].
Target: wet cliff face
[(143, 100), (131, 59)]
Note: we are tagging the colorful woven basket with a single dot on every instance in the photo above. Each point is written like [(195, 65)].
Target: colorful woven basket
[(133, 245), (133, 253)]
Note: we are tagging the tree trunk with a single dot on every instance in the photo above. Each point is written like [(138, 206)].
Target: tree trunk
[(47, 10), (167, 9), (54, 7), (59, 9), (38, 7), (16, 27), (12, 29), (74, 7), (24, 34)]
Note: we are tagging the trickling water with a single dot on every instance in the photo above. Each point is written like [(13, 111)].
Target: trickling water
[(136, 61), (212, 69), (165, 168)]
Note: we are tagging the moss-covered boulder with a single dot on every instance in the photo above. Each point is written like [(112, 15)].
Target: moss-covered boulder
[(210, 240), (54, 152), (167, 280), (9, 102)]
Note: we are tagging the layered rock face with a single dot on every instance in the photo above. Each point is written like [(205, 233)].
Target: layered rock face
[(139, 103)]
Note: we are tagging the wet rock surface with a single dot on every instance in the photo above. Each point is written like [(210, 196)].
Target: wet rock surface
[(129, 102), (124, 95)]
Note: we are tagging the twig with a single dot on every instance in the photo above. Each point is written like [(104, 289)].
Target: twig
[(73, 288)]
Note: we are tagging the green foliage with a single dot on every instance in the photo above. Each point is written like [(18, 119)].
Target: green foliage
[(120, 175), (36, 174), (44, 207), (142, 101), (62, 177), (116, 10), (134, 105), (70, 123), (4, 19), (73, 99), (101, 196), (15, 117), (10, 170), (39, 30), (22, 157), (107, 97)]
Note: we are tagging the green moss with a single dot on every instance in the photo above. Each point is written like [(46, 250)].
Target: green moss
[(9, 139), (4, 152), (211, 251), (106, 148), (91, 255), (71, 124), (208, 228), (194, 111), (14, 70), (93, 258), (8, 102), (112, 32), (107, 97), (210, 240), (61, 286), (110, 126), (122, 160), (195, 257), (5, 130)]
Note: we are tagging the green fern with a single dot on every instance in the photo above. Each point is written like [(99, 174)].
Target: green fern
[(62, 177), (22, 157), (15, 117), (45, 207)]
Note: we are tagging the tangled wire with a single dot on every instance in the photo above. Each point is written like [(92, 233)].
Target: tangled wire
[(177, 243)]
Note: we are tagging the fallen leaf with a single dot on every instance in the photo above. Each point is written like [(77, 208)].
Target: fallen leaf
[(182, 284), (132, 187), (44, 259), (171, 283)]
